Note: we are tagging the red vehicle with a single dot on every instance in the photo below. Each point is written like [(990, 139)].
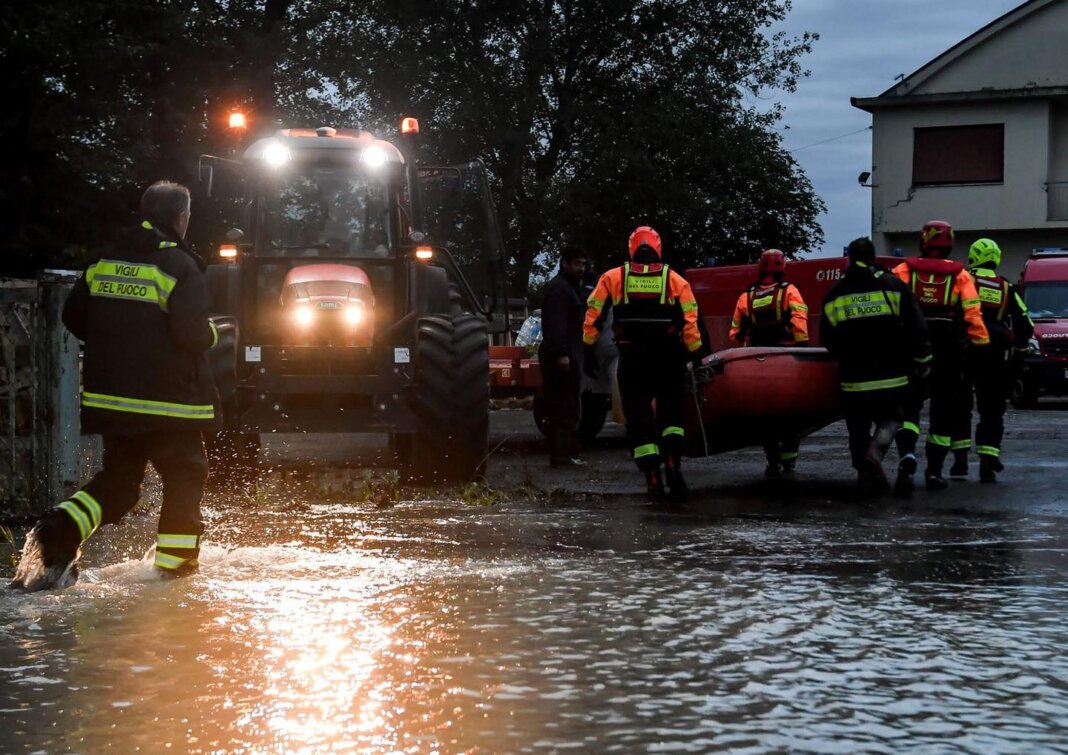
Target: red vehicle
[(1044, 286)]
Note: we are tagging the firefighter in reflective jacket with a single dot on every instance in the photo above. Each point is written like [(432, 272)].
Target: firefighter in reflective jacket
[(656, 329), (771, 312), (875, 330), (991, 369), (142, 312), (946, 294)]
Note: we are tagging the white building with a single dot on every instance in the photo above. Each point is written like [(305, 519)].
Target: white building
[(979, 137)]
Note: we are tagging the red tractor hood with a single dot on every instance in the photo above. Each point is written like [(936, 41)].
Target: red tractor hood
[(327, 272)]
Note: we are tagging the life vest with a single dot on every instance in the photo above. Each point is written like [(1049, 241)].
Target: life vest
[(769, 314), (933, 285), (646, 311)]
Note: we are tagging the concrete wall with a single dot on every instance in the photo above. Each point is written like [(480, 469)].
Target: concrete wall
[(1030, 52), (1020, 202)]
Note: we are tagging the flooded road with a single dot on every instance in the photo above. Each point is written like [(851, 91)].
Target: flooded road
[(758, 619), (532, 626)]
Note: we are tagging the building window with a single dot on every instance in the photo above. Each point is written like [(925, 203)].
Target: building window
[(958, 155)]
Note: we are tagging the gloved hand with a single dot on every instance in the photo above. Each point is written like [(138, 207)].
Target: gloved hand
[(590, 365), (922, 372)]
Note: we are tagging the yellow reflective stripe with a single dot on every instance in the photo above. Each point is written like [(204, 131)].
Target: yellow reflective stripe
[(923, 360), (177, 541), (688, 306), (96, 513), (960, 445), (123, 280), (167, 244), (799, 336), (988, 451), (214, 332), (875, 385), (911, 427), (673, 430), (762, 301), (590, 340), (693, 346), (143, 406), (798, 307), (787, 455), (167, 561), (972, 302), (939, 440), (146, 225), (594, 303), (871, 304), (81, 519), (649, 449), (735, 324)]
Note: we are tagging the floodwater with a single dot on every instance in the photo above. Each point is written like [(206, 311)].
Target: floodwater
[(534, 626)]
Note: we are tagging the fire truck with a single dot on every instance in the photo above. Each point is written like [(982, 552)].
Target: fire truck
[(358, 293)]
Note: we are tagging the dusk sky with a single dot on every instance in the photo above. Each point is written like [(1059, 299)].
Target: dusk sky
[(863, 45)]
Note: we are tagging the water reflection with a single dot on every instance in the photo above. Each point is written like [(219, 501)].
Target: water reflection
[(596, 626)]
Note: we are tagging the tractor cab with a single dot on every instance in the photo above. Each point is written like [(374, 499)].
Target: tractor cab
[(360, 288)]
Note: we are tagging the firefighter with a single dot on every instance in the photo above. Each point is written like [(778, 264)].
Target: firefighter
[(875, 330), (142, 313), (560, 356), (771, 312), (950, 304), (655, 326), (991, 369)]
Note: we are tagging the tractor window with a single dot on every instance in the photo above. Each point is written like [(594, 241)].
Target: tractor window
[(327, 212)]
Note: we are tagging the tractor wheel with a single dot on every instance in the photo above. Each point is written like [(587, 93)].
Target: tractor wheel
[(451, 401)]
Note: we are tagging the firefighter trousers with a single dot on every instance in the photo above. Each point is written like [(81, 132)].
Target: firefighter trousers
[(653, 434), (882, 409), (989, 377), (949, 409), (179, 458)]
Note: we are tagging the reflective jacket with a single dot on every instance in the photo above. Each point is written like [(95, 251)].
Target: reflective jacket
[(653, 305), (1004, 311), (771, 314), (946, 294), (142, 311), (873, 327)]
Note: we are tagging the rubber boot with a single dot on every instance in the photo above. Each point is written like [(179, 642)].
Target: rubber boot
[(50, 554), (932, 476), (788, 466), (560, 444), (960, 463), (904, 485), (654, 485), (989, 466), (771, 453), (678, 490)]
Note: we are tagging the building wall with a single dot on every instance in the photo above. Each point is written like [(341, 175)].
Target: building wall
[(1019, 202)]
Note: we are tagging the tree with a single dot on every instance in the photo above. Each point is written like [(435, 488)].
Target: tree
[(594, 116)]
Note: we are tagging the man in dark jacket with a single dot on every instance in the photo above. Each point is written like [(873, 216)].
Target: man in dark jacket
[(875, 329), (560, 356), (142, 312)]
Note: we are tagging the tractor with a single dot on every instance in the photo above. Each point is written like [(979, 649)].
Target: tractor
[(358, 294)]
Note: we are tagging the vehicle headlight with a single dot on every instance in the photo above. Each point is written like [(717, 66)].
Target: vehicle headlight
[(354, 315), (304, 316), (276, 154), (1035, 347), (373, 157)]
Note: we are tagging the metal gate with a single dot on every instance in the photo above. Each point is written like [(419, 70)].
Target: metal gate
[(40, 440)]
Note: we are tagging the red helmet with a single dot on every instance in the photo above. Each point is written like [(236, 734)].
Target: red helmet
[(772, 264), (644, 236), (936, 239)]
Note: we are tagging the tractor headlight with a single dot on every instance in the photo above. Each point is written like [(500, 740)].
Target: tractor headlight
[(373, 157), (276, 155), (304, 316), (354, 315)]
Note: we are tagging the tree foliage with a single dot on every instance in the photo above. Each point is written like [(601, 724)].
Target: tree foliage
[(593, 116)]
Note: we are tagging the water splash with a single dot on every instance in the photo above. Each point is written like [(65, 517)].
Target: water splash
[(34, 574)]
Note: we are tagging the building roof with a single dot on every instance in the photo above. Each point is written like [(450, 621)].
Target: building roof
[(988, 66)]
